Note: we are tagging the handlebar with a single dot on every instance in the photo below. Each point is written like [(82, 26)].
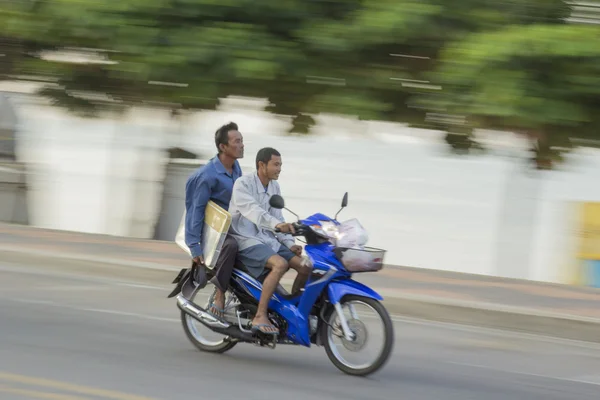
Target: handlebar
[(306, 231), (297, 226)]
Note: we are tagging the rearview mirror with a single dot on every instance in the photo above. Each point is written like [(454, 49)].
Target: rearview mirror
[(344, 204), (345, 200), (276, 201)]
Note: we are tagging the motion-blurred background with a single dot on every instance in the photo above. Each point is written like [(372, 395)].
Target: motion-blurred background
[(465, 131)]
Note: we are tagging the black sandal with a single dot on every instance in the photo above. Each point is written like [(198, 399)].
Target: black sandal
[(257, 328)]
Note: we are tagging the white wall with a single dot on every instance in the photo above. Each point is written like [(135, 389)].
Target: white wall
[(93, 175), (484, 214)]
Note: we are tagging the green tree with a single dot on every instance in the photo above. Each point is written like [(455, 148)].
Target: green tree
[(306, 57), (541, 80), (512, 64), (393, 46), (181, 53)]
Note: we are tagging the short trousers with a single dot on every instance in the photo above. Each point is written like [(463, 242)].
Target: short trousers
[(255, 257)]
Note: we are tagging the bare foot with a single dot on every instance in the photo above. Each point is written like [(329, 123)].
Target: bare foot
[(217, 307), (219, 300)]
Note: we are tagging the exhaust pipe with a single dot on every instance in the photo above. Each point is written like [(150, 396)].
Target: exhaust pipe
[(199, 314), (222, 327)]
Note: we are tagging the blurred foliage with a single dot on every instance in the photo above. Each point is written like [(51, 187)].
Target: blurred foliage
[(539, 80), (454, 65)]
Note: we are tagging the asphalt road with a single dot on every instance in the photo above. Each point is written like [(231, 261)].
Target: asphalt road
[(65, 337)]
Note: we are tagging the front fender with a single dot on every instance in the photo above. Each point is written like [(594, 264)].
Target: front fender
[(337, 290)]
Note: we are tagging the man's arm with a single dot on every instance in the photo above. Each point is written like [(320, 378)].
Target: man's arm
[(284, 238), (250, 208), (199, 191)]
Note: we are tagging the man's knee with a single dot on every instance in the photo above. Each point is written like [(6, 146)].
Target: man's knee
[(306, 271), (277, 264), (302, 269)]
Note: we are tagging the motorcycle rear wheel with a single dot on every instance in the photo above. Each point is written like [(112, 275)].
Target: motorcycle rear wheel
[(198, 339)]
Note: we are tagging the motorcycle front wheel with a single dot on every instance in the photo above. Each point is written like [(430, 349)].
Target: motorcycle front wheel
[(356, 309)]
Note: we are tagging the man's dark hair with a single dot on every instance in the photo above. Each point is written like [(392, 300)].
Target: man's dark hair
[(265, 155), (222, 134)]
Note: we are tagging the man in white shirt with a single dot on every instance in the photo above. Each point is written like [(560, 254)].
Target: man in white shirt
[(253, 226)]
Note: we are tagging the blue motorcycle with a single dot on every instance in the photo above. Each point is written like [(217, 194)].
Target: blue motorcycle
[(326, 312)]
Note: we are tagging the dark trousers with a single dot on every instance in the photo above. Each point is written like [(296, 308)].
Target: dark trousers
[(223, 267)]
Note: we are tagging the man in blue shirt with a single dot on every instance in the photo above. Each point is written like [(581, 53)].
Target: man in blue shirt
[(214, 181)]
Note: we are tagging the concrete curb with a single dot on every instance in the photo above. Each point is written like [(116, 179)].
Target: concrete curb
[(12, 254), (517, 319), (98, 267)]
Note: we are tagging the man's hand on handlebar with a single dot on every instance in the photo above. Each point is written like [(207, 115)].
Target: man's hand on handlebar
[(285, 228), (297, 250)]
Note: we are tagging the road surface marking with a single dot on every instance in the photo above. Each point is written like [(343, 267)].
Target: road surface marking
[(139, 286), (505, 371), (96, 310), (126, 314), (39, 395), (395, 318), (73, 288), (68, 387), (80, 277), (496, 332), (589, 379)]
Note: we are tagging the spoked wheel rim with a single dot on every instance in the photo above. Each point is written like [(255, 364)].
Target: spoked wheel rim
[(201, 332), (360, 316)]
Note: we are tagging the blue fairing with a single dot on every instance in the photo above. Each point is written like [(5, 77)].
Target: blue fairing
[(322, 256), (329, 278), (337, 290), (315, 218), (295, 315)]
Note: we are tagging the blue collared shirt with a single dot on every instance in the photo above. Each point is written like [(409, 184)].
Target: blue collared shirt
[(209, 182)]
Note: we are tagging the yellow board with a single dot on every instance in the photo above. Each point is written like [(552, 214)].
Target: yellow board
[(589, 234), (587, 243), (216, 225)]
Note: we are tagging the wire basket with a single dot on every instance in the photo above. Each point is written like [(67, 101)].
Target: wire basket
[(368, 259)]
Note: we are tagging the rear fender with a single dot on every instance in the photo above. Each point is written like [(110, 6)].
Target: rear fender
[(180, 280)]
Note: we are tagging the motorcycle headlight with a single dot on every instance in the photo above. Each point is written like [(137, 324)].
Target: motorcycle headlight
[(318, 230), (330, 229)]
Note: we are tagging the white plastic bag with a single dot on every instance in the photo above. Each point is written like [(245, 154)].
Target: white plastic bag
[(352, 234), (356, 259), (180, 236)]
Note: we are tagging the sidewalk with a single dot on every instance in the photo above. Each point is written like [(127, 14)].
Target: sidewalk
[(554, 310)]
